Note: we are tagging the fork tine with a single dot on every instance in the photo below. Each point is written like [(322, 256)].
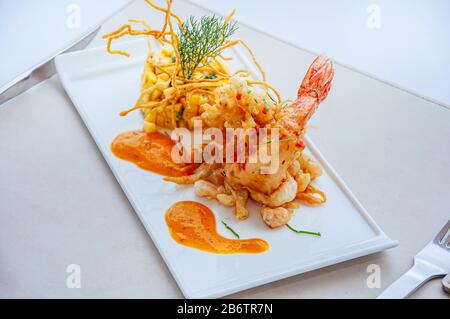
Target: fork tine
[(440, 236), (447, 242)]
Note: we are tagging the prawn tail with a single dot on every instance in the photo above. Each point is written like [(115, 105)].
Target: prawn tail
[(317, 81), (314, 89)]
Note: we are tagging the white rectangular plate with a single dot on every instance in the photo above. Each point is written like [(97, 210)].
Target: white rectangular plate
[(101, 85)]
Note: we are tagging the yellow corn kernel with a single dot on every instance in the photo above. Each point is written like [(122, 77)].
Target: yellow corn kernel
[(151, 115), (169, 91), (190, 110), (163, 76), (249, 121), (156, 94), (161, 85), (168, 122), (149, 127), (167, 50), (170, 69), (149, 67), (158, 71), (160, 120), (150, 78), (163, 66), (194, 99)]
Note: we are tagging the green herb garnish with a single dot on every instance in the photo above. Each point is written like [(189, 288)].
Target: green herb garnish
[(179, 115), (266, 104), (271, 97), (303, 231), (230, 229), (200, 40), (174, 59), (211, 76), (280, 141)]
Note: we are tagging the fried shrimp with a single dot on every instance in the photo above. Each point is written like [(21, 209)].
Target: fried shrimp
[(188, 80)]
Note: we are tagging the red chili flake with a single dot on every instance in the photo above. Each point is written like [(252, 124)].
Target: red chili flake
[(283, 180), (264, 111), (239, 96), (300, 144)]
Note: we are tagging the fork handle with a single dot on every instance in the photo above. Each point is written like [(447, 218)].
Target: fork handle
[(408, 282)]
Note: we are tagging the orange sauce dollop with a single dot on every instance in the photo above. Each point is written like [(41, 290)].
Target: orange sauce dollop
[(193, 224), (150, 151)]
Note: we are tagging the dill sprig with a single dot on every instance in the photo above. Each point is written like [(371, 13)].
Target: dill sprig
[(200, 40)]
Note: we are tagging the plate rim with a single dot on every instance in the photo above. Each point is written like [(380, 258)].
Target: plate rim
[(378, 243)]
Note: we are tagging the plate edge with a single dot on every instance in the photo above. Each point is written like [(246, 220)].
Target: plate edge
[(388, 243)]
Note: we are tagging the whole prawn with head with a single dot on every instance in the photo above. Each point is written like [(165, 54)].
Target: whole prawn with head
[(255, 176), (280, 188)]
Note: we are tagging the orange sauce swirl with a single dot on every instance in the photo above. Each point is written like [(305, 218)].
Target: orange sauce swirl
[(150, 151), (193, 224)]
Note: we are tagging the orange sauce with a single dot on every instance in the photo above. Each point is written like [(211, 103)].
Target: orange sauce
[(193, 224), (150, 151)]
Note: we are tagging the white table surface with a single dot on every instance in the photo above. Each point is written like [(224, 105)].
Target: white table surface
[(60, 204), (33, 31), (404, 42)]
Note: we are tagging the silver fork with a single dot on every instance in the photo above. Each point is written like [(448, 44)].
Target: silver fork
[(432, 261)]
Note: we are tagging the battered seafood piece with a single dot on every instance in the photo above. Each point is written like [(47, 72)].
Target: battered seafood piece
[(186, 81), (295, 171), (274, 190)]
